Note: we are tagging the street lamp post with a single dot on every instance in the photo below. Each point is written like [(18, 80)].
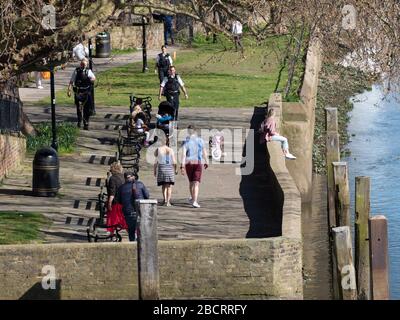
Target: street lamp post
[(144, 45), (54, 143), (91, 68)]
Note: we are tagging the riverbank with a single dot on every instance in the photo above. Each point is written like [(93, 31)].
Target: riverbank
[(337, 85)]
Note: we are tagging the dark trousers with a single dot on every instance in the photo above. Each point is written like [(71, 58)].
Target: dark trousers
[(131, 218), (238, 42), (84, 109), (168, 31), (162, 73), (174, 100)]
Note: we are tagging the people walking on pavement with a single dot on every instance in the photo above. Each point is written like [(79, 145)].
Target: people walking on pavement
[(194, 158), (165, 169), (115, 215), (163, 62), (82, 80), (127, 194), (171, 86)]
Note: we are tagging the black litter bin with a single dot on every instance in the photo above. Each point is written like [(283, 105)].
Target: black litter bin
[(45, 177), (103, 45)]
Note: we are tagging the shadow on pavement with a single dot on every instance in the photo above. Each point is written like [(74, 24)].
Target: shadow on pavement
[(260, 191)]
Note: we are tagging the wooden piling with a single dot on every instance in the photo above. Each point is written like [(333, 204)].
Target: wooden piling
[(342, 193), (332, 155), (379, 261), (342, 253), (362, 214), (149, 282)]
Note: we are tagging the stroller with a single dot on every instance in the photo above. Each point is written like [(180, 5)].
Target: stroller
[(165, 117)]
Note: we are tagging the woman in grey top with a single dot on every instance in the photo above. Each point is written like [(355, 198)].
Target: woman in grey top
[(165, 169)]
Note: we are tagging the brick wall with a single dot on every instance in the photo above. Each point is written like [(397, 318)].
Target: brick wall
[(249, 268), (12, 151)]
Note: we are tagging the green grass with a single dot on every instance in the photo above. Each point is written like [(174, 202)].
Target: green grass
[(21, 227), (122, 51), (214, 74), (67, 134)]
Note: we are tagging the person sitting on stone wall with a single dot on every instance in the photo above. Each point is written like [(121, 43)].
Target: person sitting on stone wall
[(268, 133)]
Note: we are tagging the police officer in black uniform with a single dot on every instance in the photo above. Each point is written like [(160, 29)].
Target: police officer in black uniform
[(171, 86), (163, 62), (82, 79)]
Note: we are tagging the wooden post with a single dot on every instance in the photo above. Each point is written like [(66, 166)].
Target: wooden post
[(342, 194), (342, 252), (379, 261), (332, 155), (149, 285), (361, 238)]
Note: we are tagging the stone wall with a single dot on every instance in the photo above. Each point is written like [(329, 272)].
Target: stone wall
[(299, 123), (12, 152), (291, 212), (130, 37), (252, 268)]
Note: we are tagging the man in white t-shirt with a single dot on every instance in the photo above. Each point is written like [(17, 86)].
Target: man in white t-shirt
[(237, 31), (80, 51)]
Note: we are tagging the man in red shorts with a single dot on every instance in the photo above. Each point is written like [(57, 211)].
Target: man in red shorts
[(194, 157)]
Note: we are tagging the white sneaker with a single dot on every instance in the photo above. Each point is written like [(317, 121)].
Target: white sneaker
[(39, 87), (195, 205), (290, 156), (190, 200)]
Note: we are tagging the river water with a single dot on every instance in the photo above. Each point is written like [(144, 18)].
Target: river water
[(375, 152)]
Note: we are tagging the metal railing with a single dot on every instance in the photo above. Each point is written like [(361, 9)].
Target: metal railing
[(10, 111)]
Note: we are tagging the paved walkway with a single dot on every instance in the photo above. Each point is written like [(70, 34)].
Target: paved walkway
[(62, 76), (232, 206)]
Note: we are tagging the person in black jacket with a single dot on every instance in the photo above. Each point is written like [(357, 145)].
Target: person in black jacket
[(163, 62), (130, 191), (82, 79), (171, 86)]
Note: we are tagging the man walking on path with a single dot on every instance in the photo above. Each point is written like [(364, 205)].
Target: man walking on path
[(163, 62), (170, 86), (82, 79), (130, 191), (168, 27), (194, 157), (80, 51), (237, 31)]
